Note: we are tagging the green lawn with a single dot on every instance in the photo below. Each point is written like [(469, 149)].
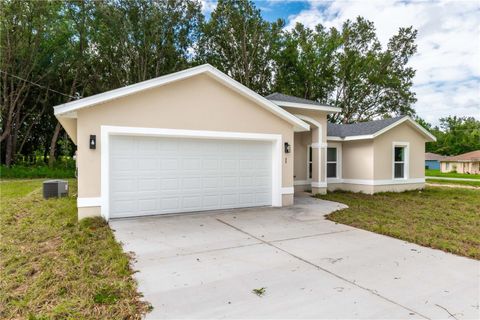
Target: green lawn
[(441, 218), (437, 173), (52, 267), (455, 182)]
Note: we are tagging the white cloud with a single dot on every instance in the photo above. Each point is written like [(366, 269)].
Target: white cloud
[(448, 59), (208, 6)]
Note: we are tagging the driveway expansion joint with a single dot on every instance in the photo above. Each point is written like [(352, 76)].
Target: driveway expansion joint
[(372, 291), (309, 236)]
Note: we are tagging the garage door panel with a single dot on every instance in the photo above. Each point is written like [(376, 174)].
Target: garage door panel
[(123, 185), (124, 206), (123, 164), (149, 184), (146, 164), (192, 164), (169, 164), (149, 204), (169, 175), (262, 198)]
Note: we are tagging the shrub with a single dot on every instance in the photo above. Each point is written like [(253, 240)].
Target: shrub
[(62, 169)]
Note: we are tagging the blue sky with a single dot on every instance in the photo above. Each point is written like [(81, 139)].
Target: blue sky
[(273, 10), (447, 81)]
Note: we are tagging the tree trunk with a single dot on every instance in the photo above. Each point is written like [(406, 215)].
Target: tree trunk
[(8, 150), (53, 145)]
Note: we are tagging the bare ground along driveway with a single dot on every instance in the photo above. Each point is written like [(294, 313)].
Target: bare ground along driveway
[(206, 266)]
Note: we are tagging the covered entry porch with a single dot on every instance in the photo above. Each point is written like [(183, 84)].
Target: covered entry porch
[(310, 157)]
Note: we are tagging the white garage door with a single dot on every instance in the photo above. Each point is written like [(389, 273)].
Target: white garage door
[(166, 175)]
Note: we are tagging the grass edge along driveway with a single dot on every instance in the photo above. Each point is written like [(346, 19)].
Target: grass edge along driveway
[(54, 267), (442, 218)]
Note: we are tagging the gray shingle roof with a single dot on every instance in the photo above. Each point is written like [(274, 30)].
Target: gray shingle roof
[(360, 128), (286, 98)]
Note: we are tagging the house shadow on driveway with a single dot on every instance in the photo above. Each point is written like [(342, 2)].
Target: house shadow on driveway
[(205, 265)]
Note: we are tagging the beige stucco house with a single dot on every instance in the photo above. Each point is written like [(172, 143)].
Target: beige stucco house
[(463, 163), (198, 140)]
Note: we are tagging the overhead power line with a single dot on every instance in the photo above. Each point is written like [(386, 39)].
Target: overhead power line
[(38, 85)]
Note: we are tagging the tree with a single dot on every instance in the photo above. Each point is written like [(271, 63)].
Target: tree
[(28, 33), (305, 63), (239, 42), (456, 135), (136, 40), (371, 83)]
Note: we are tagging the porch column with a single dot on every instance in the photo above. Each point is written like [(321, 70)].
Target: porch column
[(319, 160)]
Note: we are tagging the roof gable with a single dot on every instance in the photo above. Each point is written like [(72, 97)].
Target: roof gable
[(284, 100), (371, 129), (69, 109)]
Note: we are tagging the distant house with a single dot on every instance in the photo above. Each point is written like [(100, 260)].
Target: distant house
[(464, 163), (432, 160)]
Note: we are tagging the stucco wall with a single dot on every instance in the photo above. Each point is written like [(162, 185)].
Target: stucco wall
[(70, 126), (368, 162), (384, 156), (357, 159), (198, 103), (461, 167), (301, 142)]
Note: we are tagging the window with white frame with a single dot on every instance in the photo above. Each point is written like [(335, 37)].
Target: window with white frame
[(309, 162), (400, 164), (332, 162)]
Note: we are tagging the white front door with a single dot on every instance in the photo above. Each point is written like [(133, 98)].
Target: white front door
[(158, 175)]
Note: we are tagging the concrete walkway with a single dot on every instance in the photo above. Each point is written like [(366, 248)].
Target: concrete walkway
[(206, 266)]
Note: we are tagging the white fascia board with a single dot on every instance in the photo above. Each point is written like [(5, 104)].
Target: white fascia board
[(69, 107), (306, 106), (350, 138)]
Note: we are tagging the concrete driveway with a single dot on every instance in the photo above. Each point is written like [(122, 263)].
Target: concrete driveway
[(206, 266)]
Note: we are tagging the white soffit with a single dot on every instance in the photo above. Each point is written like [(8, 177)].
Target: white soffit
[(307, 106), (69, 109)]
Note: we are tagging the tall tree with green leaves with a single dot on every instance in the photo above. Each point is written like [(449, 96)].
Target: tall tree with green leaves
[(239, 42), (372, 83), (305, 62), (136, 40), (29, 40), (455, 135)]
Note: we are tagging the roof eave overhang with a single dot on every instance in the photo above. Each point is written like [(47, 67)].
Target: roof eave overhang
[(69, 109), (306, 106), (471, 160)]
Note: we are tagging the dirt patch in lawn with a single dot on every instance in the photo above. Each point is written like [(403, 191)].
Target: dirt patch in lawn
[(437, 217), (53, 267)]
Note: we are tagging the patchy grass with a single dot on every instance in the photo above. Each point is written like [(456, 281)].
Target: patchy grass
[(437, 173), (441, 218), (53, 267), (455, 182)]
